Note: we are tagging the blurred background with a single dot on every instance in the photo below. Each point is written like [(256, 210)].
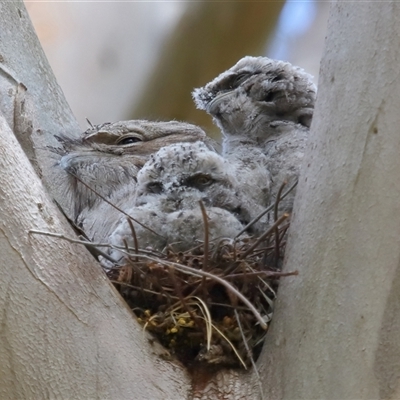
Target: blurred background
[(123, 60)]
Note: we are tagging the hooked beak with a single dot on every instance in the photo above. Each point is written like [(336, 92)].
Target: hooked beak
[(213, 106)]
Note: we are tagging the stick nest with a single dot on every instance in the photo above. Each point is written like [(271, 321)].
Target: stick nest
[(191, 301)]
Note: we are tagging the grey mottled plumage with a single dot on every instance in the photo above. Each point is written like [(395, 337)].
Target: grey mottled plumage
[(170, 186), (264, 109), (107, 158)]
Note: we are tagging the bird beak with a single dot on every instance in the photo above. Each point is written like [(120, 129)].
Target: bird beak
[(213, 107)]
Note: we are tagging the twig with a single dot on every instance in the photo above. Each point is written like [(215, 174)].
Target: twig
[(278, 199), (122, 283), (200, 273), (183, 301), (135, 240), (179, 267), (90, 244), (276, 207), (259, 216), (88, 121), (76, 241), (246, 345), (264, 235), (95, 251), (268, 274), (205, 255), (232, 346), (113, 205), (218, 247)]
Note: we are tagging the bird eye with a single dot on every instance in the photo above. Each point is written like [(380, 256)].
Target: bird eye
[(128, 140), (200, 181), (155, 187)]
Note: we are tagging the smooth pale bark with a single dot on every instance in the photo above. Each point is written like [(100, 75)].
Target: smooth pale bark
[(65, 332), (336, 329), (30, 98)]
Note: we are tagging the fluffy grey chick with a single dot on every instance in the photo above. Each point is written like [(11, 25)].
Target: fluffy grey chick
[(107, 158), (170, 186), (264, 109)]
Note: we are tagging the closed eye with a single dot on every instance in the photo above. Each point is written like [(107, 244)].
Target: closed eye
[(279, 77), (199, 181), (239, 79), (128, 140), (232, 82)]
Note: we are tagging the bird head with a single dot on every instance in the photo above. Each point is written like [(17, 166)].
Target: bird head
[(178, 176), (256, 94), (140, 137), (170, 186), (110, 155), (169, 189), (136, 138)]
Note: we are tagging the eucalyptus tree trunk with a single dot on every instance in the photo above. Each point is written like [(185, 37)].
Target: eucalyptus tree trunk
[(30, 98), (66, 333), (335, 333)]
